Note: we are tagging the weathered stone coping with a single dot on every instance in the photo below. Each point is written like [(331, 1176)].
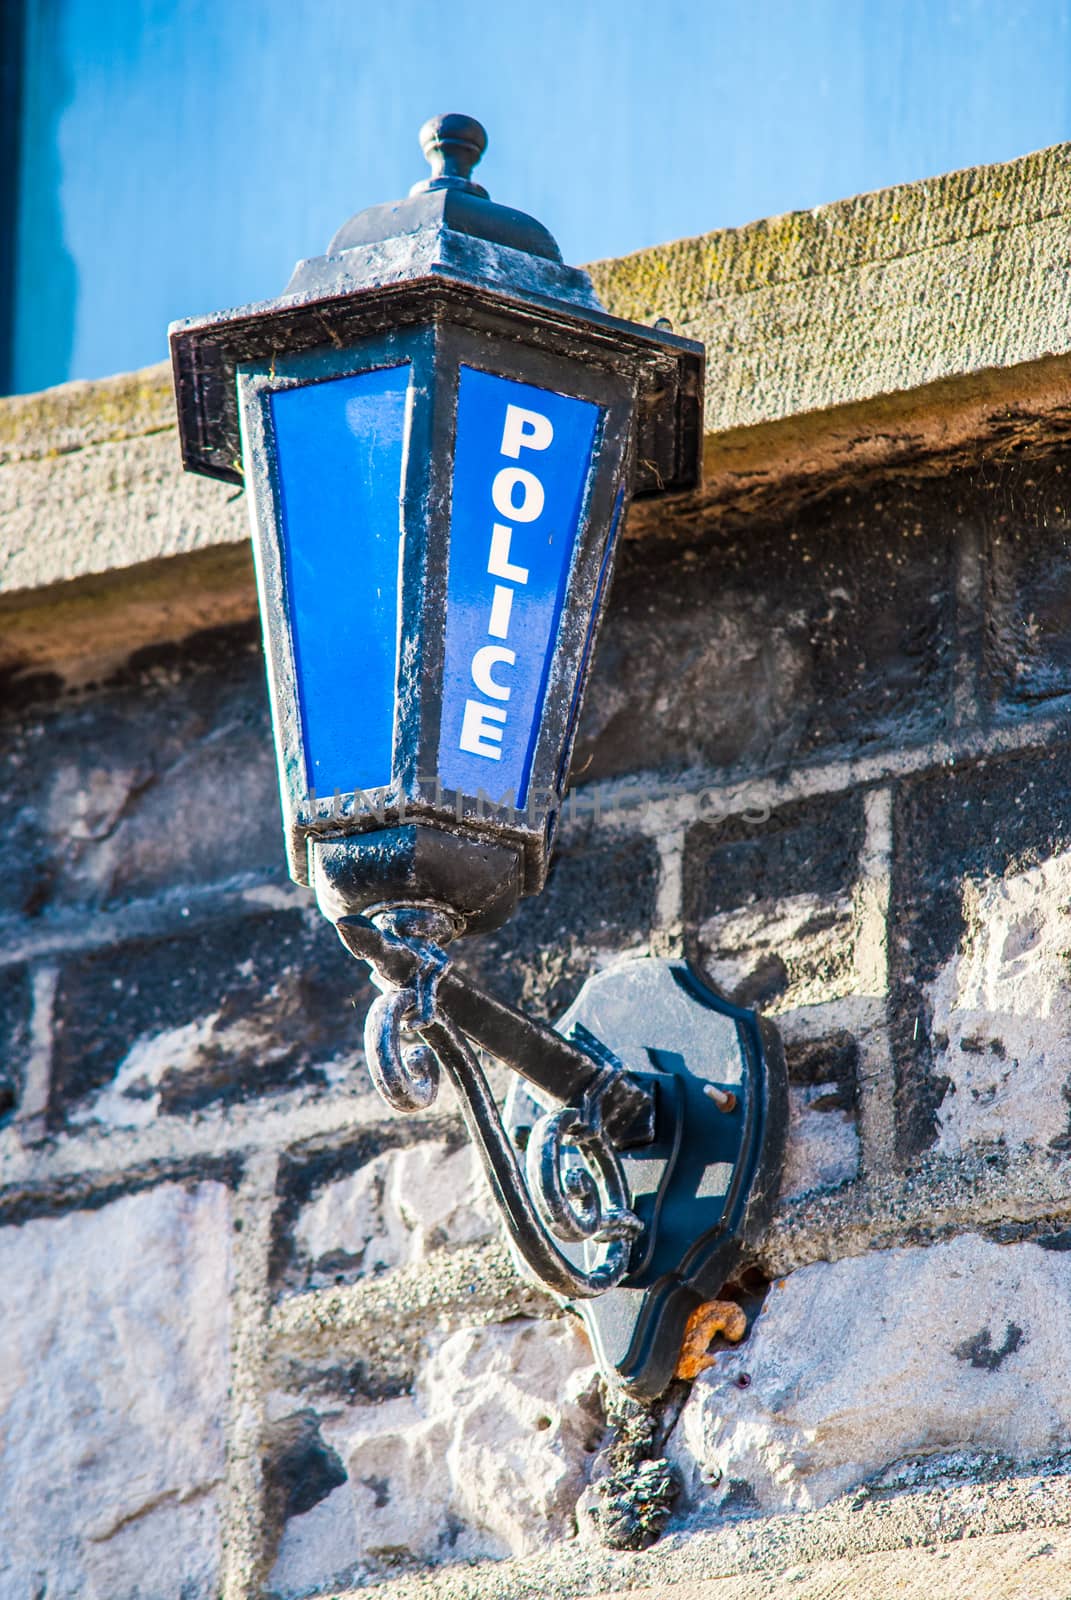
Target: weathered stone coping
[(896, 330), (883, 293)]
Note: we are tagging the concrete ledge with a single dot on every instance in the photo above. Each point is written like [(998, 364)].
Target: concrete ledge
[(75, 416), (894, 330), (90, 482), (84, 630), (870, 296), (773, 468)]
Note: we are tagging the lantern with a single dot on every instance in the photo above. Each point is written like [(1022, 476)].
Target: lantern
[(438, 428)]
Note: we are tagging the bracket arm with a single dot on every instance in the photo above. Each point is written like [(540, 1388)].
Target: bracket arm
[(548, 1061)]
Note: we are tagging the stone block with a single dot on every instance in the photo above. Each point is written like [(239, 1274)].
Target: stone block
[(487, 1457), (954, 1354), (745, 654), (1000, 1013), (165, 778), (979, 953), (210, 1015), (769, 901), (772, 919), (393, 1211), (1027, 520), (823, 1095), (16, 1000), (599, 901), (113, 1393)]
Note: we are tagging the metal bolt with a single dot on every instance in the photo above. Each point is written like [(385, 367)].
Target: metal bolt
[(724, 1099)]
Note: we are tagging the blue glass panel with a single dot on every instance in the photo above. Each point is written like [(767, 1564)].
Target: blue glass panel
[(521, 461), (339, 449)]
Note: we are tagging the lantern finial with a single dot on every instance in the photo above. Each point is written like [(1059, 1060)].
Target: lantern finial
[(452, 145)]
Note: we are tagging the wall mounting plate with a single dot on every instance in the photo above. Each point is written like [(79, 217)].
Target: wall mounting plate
[(707, 1186)]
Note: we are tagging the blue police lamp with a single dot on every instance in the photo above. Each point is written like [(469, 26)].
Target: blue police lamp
[(438, 428)]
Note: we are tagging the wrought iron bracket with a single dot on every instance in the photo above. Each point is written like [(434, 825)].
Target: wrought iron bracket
[(641, 1146)]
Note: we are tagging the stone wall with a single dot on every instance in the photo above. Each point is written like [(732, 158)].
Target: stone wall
[(262, 1337), (260, 1326)]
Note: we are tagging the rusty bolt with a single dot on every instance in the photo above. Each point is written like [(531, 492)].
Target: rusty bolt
[(724, 1099)]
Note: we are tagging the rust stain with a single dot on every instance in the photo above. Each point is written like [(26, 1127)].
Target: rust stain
[(713, 1317)]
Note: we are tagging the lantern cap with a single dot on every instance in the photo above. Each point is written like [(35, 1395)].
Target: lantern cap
[(447, 209)]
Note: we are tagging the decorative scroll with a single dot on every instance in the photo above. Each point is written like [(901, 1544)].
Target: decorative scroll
[(406, 1072), (575, 1187), (576, 1179)]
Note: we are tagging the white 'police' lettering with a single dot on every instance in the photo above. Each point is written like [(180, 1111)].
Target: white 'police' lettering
[(498, 562), (504, 494), (517, 495), (525, 430), (477, 730), (483, 661), (501, 606)]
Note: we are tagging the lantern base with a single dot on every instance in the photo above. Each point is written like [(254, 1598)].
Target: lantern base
[(477, 883)]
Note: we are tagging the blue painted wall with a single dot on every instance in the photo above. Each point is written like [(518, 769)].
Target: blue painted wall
[(179, 155)]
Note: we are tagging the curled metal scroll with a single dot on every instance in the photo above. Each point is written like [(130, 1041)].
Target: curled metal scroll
[(405, 1071), (575, 1177), (577, 1186)]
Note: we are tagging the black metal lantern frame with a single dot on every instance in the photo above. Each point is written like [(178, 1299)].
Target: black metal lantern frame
[(648, 388), (640, 1150)]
